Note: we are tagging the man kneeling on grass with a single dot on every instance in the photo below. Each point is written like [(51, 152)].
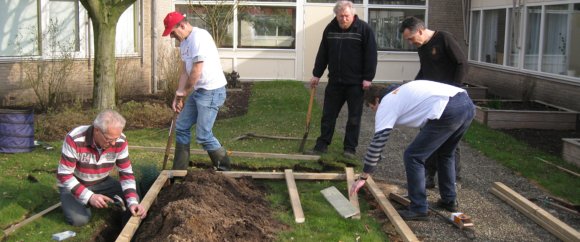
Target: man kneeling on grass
[(89, 153), (444, 113)]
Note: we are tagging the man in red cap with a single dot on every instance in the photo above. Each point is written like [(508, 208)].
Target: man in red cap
[(204, 81)]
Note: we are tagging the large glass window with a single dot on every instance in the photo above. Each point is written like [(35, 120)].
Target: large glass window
[(513, 38), (532, 50), (216, 19), (267, 27), (127, 32), (386, 22), (493, 36), (555, 47), (19, 28), (395, 2), (474, 43), (63, 26), (331, 1), (544, 44)]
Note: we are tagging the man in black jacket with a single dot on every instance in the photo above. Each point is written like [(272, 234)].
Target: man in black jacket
[(348, 48), (442, 60)]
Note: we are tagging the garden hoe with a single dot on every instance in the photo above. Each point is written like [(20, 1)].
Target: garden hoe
[(171, 136), (312, 92)]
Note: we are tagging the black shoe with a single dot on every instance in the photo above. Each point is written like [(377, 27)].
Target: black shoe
[(349, 155), (429, 182), (410, 215), (449, 206), (313, 152)]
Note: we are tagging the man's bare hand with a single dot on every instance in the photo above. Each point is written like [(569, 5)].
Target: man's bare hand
[(138, 210), (366, 85), (100, 201), (314, 81), (178, 101)]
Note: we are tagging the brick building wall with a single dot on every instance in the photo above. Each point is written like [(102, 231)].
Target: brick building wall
[(447, 15), (508, 84)]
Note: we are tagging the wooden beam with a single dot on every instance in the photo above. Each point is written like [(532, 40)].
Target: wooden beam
[(134, 222), (400, 225), (534, 212), (294, 197), (281, 175), (559, 167), (13, 228), (352, 197), (238, 153)]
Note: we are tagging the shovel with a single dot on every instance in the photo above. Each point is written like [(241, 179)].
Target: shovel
[(171, 137), (308, 114)]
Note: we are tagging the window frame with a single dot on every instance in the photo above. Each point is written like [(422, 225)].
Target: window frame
[(524, 42), (425, 7)]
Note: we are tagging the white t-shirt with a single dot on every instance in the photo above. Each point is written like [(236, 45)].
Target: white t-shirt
[(413, 103), (199, 46)]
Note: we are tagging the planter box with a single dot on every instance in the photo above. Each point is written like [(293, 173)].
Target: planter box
[(542, 116), (475, 92), (571, 151)]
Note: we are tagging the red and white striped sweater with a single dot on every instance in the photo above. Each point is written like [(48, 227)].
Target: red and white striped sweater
[(81, 164)]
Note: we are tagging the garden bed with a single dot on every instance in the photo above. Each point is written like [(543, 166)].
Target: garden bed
[(571, 151), (516, 114), (475, 92)]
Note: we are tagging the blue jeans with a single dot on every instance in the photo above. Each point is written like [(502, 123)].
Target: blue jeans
[(201, 109), (439, 136)]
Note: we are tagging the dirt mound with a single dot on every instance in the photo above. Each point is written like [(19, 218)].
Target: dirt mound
[(208, 206)]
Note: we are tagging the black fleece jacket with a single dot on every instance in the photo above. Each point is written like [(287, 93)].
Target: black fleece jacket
[(442, 60), (351, 54)]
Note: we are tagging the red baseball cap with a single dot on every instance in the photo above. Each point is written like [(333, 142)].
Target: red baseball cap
[(171, 20)]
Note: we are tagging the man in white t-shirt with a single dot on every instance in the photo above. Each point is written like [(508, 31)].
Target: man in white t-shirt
[(204, 81), (444, 113)]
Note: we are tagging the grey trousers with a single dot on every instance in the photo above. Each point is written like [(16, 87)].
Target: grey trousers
[(79, 214)]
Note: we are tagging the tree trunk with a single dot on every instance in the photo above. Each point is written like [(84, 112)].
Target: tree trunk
[(104, 70)]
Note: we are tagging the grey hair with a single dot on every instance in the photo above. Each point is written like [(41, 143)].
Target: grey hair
[(342, 5), (109, 118)]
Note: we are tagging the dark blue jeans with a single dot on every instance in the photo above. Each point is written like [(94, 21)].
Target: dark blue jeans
[(438, 136), (335, 95)]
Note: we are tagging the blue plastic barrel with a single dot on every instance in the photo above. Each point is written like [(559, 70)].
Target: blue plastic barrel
[(16, 130)]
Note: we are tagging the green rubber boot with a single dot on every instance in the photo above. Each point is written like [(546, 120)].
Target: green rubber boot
[(220, 159), (181, 158)]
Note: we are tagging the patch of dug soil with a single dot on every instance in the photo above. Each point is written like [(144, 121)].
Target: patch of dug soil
[(208, 206), (237, 101)]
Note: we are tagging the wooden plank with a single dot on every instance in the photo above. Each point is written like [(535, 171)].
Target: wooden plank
[(339, 202), (294, 197), (559, 167), (239, 153), (539, 215), (13, 228), (134, 222), (547, 116), (281, 175), (352, 197), (571, 151), (495, 124), (521, 208), (400, 225)]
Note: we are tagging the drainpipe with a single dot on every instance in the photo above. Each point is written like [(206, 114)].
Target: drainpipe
[(153, 46)]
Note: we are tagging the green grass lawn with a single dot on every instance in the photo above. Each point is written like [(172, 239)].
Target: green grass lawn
[(276, 108)]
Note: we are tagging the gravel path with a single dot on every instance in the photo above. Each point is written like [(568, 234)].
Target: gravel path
[(494, 219)]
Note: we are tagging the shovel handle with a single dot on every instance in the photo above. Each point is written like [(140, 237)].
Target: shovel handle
[(171, 136), (309, 113)]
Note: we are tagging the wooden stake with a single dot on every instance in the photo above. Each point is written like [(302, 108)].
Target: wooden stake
[(294, 198), (559, 167), (281, 175), (30, 219)]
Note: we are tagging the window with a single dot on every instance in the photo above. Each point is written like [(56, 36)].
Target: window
[(63, 26), (332, 1), (126, 39), (493, 36), (474, 43), (513, 38), (544, 44), (386, 22), (532, 50), (221, 15), (19, 25), (267, 27)]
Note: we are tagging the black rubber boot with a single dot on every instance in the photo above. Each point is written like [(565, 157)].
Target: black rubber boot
[(220, 159), (181, 157)]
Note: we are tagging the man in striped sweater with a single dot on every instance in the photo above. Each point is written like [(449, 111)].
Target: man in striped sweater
[(444, 113), (89, 154)]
